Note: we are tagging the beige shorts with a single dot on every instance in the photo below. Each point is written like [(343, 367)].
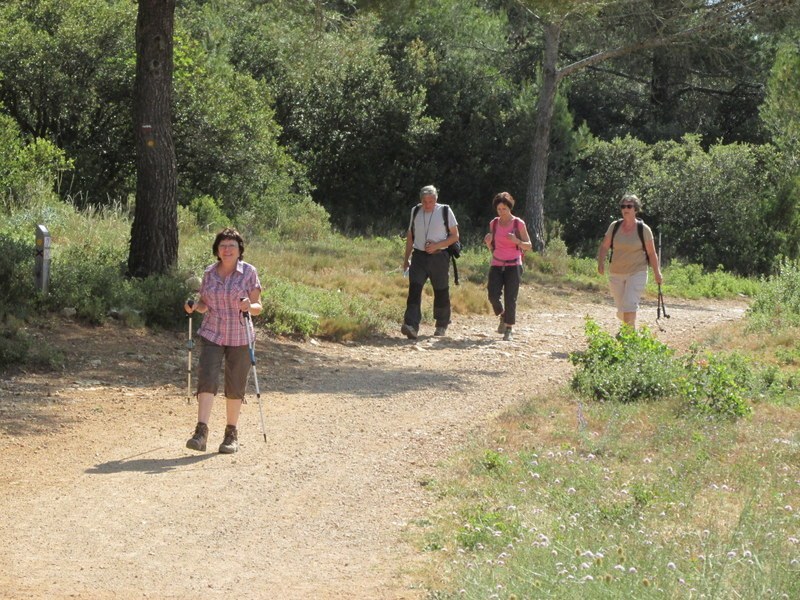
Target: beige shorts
[(627, 290), (237, 367)]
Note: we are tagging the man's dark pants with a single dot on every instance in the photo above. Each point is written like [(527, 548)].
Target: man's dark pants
[(435, 267)]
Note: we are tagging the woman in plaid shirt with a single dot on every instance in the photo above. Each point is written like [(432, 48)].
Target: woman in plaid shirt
[(230, 287)]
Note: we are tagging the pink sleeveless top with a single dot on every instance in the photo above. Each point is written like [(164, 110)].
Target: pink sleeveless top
[(506, 252)]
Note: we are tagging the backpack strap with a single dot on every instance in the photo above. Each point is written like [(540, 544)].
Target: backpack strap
[(414, 218), (446, 217)]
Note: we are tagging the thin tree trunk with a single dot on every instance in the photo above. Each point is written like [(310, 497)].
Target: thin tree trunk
[(537, 175), (154, 233)]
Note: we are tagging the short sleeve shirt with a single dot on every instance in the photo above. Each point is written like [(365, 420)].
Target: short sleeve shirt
[(430, 226), (223, 323), (628, 256)]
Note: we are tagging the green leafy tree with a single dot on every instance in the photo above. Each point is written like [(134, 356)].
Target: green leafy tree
[(68, 72), (781, 109), (227, 138), (553, 18)]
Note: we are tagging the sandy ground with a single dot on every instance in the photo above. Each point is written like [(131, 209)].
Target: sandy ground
[(100, 498)]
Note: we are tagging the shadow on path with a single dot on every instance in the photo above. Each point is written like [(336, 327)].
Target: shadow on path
[(149, 466)]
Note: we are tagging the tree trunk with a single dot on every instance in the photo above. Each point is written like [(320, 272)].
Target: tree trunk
[(537, 175), (154, 233)]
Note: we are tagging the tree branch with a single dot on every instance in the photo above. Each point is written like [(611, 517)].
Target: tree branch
[(711, 20)]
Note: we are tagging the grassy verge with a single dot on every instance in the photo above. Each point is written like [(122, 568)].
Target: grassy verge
[(659, 476), (606, 500)]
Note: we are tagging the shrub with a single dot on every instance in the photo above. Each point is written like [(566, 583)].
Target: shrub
[(208, 213), (777, 301), (90, 280), (17, 348), (715, 385), (16, 273), (632, 366)]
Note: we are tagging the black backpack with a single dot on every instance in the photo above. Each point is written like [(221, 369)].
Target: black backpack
[(639, 230), (454, 250)]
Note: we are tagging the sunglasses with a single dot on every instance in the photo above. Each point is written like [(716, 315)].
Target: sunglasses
[(627, 205)]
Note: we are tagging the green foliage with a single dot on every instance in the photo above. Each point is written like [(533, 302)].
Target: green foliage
[(693, 281), (629, 367), (716, 385), (26, 169), (290, 307), (17, 347), (349, 120), (781, 108), (701, 201), (635, 366), (157, 299), (482, 529), (776, 304), (17, 293), (227, 143), (646, 503), (89, 280), (208, 213), (67, 74)]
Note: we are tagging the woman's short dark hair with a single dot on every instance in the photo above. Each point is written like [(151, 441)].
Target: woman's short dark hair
[(503, 198), (229, 233)]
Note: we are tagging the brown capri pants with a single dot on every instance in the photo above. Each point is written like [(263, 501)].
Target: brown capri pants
[(237, 366)]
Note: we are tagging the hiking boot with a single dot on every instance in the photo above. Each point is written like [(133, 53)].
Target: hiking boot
[(502, 327), (199, 439), (409, 331), (507, 335), (440, 331), (231, 442)]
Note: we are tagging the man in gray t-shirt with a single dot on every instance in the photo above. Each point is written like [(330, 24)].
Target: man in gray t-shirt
[(426, 258)]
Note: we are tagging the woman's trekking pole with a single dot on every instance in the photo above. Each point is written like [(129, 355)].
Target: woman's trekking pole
[(251, 346), (189, 345)]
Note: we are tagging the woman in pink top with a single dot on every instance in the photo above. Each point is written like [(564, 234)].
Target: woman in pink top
[(507, 239), (230, 288)]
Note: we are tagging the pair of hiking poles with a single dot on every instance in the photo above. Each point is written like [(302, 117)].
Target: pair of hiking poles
[(251, 348)]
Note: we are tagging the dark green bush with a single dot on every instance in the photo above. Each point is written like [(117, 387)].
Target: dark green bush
[(159, 300), (89, 280), (776, 303), (629, 367), (717, 385), (16, 275), (17, 348)]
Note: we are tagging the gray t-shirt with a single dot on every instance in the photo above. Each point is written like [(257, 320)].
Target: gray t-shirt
[(430, 226)]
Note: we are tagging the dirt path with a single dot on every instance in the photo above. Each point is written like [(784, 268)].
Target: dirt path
[(100, 499)]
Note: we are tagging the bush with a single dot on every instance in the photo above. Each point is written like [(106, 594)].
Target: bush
[(731, 187), (632, 366), (90, 280), (17, 348), (16, 273), (715, 385), (635, 366), (777, 302)]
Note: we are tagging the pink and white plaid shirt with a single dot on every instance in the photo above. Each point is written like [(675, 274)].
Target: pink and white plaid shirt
[(223, 323)]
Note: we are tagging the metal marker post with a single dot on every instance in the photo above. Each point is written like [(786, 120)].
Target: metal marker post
[(42, 263)]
